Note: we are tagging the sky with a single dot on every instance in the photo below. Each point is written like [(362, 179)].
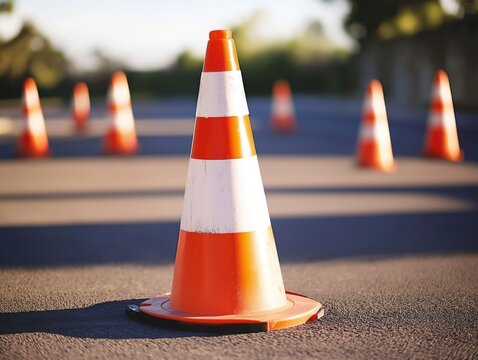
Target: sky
[(148, 34)]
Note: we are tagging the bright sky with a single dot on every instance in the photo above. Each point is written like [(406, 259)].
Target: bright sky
[(148, 34)]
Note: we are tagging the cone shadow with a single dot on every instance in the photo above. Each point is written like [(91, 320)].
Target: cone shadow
[(106, 320)]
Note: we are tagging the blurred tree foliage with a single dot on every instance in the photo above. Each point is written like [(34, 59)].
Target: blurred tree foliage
[(468, 7), (6, 6), (369, 19), (29, 53), (391, 18), (310, 61)]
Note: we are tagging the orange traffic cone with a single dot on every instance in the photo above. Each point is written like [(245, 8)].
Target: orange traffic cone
[(442, 137), (121, 137), (227, 270), (374, 148), (283, 118), (80, 106), (34, 140)]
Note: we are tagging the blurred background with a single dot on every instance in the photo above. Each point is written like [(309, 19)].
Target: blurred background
[(393, 256), (330, 47)]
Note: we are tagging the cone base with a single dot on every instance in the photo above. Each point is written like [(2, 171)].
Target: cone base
[(300, 310), (447, 157), (120, 143), (387, 169), (31, 146), (282, 126)]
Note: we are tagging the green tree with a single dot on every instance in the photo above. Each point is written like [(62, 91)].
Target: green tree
[(6, 6), (389, 18), (30, 53)]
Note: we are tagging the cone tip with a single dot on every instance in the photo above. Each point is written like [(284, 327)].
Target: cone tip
[(374, 88), (29, 85), (81, 86), (441, 76), (375, 85), (281, 87), (118, 78), (220, 34)]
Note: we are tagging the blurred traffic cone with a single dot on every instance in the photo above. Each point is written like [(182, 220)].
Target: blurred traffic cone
[(121, 137), (441, 140), (80, 106), (374, 148), (227, 270), (34, 140), (283, 118)]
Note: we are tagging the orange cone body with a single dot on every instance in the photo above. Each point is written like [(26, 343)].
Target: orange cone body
[(374, 148), (283, 118), (442, 137), (227, 270), (121, 136), (81, 106), (34, 140)]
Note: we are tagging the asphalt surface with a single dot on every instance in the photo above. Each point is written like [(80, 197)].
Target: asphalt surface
[(393, 257)]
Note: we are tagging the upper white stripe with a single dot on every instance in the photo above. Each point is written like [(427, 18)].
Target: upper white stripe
[(445, 119), (282, 107), (119, 94), (224, 196), (221, 94), (377, 130), (36, 123), (376, 104), (122, 120)]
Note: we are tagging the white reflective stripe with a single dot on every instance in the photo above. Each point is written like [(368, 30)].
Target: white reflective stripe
[(123, 120), (119, 95), (31, 98), (221, 94), (375, 104), (36, 123), (443, 93), (81, 102), (224, 196), (377, 131), (282, 106), (445, 119)]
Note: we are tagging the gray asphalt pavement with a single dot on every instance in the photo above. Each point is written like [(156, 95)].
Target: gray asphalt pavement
[(393, 257)]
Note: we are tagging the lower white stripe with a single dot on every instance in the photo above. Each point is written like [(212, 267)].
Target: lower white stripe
[(224, 196), (221, 94)]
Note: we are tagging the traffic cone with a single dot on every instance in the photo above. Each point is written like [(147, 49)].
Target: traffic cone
[(283, 118), (441, 140), (121, 137), (374, 148), (227, 270), (34, 140), (80, 106)]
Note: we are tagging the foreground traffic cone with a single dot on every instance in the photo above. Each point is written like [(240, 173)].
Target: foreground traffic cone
[(227, 270), (441, 140), (374, 148), (283, 118), (80, 106), (34, 140), (121, 137)]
